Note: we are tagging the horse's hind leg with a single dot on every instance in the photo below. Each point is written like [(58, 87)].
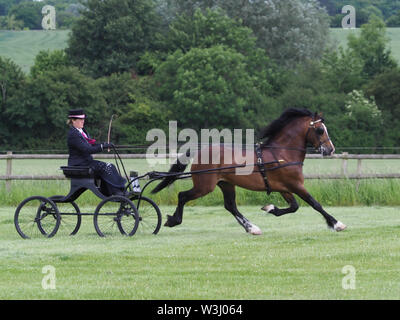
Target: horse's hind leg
[(201, 187), (230, 204), (183, 197), (290, 199)]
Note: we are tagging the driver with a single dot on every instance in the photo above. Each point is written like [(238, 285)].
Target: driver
[(80, 149)]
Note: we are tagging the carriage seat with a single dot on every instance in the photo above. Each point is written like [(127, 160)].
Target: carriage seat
[(82, 179), (79, 172)]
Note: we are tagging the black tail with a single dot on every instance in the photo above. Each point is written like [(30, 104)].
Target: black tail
[(176, 168)]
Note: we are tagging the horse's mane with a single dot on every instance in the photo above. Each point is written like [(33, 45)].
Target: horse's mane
[(277, 125)]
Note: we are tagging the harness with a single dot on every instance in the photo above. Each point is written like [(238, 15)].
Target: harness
[(261, 167), (261, 164)]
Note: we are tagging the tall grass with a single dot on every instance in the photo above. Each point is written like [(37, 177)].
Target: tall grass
[(341, 192), (327, 192)]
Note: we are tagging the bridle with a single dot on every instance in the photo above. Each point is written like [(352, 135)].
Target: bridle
[(321, 143)]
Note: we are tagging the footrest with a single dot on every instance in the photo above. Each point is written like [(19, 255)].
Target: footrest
[(77, 172)]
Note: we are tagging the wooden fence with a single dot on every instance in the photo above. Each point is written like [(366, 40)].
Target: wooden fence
[(9, 157)]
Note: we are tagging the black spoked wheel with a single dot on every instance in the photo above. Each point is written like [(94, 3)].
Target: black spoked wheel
[(114, 215), (37, 216), (70, 216), (149, 215)]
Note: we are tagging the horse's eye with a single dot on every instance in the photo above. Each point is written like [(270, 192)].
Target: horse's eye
[(319, 131)]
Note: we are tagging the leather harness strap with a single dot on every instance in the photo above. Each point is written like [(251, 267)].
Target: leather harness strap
[(263, 170), (261, 167)]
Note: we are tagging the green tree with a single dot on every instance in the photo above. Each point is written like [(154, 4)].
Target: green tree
[(48, 61), (134, 103), (343, 69), (385, 89), (371, 47), (290, 31), (213, 27), (363, 119), (207, 30), (38, 113), (5, 6), (11, 23), (143, 115), (111, 35), (28, 12), (11, 81), (394, 20), (208, 88)]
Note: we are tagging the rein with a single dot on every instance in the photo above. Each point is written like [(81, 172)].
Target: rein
[(154, 174)]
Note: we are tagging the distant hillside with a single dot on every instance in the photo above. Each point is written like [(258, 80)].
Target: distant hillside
[(339, 36), (23, 46)]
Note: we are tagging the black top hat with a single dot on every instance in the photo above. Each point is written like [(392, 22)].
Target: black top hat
[(76, 113)]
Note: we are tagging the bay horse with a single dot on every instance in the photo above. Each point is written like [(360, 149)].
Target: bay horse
[(281, 154)]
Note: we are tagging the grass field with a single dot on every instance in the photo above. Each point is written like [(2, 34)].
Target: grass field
[(22, 46), (340, 35), (211, 257)]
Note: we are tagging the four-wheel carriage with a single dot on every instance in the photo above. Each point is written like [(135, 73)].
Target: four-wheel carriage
[(125, 214)]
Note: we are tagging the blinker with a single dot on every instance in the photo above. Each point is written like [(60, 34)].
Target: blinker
[(319, 131)]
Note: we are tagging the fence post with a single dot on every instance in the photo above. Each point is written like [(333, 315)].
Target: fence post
[(359, 167), (9, 170), (344, 163), (358, 174)]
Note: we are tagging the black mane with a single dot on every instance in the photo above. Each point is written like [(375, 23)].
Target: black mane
[(277, 125)]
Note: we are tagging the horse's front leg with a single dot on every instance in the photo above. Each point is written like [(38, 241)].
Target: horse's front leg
[(290, 199), (331, 221)]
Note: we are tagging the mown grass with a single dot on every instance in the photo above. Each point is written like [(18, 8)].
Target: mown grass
[(211, 257)]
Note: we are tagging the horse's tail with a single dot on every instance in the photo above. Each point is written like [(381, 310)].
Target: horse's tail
[(178, 167)]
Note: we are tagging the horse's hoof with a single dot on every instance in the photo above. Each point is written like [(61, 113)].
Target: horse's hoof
[(339, 226), (255, 230), (268, 208), (171, 222)]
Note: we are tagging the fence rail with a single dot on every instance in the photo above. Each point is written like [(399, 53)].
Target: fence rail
[(8, 177)]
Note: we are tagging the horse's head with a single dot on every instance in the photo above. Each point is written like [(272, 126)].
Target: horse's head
[(318, 136)]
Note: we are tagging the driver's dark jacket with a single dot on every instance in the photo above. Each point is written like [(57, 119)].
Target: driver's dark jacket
[(80, 151)]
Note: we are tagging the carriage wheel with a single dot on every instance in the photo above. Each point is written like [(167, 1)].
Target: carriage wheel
[(70, 216), (116, 214), (149, 215), (37, 216)]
